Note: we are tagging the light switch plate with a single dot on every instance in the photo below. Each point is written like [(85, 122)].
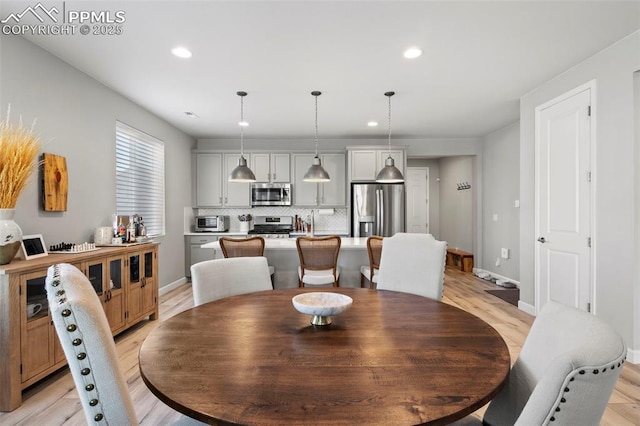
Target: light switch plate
[(504, 253)]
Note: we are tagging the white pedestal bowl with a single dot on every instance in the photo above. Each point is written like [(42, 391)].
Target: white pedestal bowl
[(321, 305)]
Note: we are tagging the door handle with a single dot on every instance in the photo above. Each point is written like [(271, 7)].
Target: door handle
[(542, 240)]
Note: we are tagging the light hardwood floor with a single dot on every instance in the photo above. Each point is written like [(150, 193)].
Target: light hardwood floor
[(54, 401)]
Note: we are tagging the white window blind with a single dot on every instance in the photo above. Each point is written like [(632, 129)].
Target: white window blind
[(140, 177)]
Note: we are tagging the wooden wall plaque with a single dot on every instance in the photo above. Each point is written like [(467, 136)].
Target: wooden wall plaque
[(55, 183)]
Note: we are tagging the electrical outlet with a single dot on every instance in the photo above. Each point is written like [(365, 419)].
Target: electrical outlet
[(495, 217), (497, 261), (504, 253)]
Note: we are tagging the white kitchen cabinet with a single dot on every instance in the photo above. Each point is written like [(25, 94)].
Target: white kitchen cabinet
[(273, 167), (364, 165), (209, 180), (304, 193), (310, 194), (333, 193), (213, 188), (235, 194)]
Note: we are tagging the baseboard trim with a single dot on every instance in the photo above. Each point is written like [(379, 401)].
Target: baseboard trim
[(633, 356), (525, 307), (172, 286)]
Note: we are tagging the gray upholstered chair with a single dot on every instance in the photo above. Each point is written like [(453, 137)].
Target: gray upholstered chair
[(244, 247), (565, 373), (218, 278), (370, 271), (413, 263), (88, 345)]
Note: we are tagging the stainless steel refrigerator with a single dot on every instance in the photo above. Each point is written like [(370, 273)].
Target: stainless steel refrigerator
[(377, 209)]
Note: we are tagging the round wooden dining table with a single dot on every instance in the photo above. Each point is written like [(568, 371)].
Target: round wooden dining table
[(393, 358)]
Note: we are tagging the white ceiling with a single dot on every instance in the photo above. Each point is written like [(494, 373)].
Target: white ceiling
[(478, 58)]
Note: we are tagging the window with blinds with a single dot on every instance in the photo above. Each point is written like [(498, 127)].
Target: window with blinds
[(140, 177)]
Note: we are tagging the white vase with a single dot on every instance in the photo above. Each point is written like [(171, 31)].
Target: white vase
[(10, 236), (244, 226)]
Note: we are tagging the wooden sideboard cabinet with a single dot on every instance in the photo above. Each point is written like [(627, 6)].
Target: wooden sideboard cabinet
[(125, 280)]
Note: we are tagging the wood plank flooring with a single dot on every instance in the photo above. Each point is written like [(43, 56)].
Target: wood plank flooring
[(54, 401)]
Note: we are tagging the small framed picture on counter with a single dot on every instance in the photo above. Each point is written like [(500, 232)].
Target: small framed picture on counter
[(33, 246)]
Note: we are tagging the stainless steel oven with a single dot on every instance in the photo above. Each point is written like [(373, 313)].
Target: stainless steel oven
[(270, 194)]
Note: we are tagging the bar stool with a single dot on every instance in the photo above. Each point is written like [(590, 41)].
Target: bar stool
[(318, 260), (370, 272)]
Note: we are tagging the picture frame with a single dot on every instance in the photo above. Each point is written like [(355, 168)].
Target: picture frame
[(33, 246)]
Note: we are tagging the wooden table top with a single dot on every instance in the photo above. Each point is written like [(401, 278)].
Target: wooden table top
[(392, 358)]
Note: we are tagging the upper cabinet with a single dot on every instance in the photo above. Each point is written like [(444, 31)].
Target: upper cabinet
[(272, 168), (213, 188), (235, 194), (329, 194), (208, 180), (364, 164)]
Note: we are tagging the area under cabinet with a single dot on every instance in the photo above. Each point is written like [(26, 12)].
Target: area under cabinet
[(125, 280)]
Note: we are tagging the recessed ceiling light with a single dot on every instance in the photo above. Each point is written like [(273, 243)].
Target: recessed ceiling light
[(412, 53), (243, 123), (372, 123), (181, 52), (191, 114)]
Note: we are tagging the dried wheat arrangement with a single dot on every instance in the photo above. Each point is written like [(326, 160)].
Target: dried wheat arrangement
[(19, 148)]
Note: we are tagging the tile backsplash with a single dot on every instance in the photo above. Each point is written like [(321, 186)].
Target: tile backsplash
[(324, 222)]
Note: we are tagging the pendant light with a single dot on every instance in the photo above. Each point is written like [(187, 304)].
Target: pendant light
[(242, 173), (389, 173), (316, 173)]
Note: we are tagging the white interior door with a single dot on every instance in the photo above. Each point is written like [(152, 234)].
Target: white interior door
[(417, 183), (563, 200)]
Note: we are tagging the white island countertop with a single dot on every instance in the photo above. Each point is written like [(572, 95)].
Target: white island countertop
[(347, 243)]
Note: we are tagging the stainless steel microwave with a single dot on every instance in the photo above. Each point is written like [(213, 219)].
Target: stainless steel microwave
[(211, 224), (270, 194)]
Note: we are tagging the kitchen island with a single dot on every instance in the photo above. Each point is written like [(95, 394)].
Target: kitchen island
[(282, 254)]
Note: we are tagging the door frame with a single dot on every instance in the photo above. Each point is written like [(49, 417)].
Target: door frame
[(591, 86)]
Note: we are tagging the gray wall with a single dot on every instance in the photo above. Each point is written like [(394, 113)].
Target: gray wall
[(615, 184), (501, 173), (457, 208), (636, 276), (76, 118)]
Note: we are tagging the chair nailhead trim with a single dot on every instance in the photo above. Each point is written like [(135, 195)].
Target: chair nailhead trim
[(582, 372), (73, 328)]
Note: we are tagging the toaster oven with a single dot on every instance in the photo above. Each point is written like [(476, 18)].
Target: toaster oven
[(217, 223)]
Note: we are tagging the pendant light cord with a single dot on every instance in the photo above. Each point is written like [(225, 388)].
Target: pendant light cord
[(242, 126), (389, 125), (316, 96)]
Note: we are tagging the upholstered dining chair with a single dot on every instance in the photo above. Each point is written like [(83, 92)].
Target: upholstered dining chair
[(85, 336), (218, 278), (413, 263), (244, 247), (565, 373), (370, 271), (318, 260)]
